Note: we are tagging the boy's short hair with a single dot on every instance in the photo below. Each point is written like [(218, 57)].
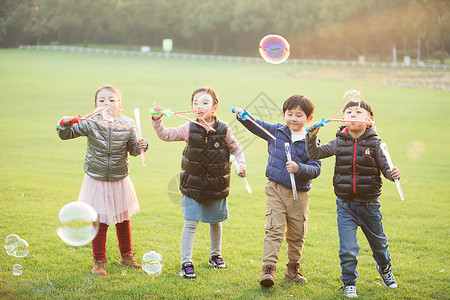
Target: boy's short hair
[(360, 103), (299, 101)]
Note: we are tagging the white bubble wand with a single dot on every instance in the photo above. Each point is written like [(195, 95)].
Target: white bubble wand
[(287, 148), (139, 133), (238, 170), (384, 148)]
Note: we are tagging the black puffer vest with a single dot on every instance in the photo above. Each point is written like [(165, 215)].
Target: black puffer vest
[(205, 167), (356, 173)]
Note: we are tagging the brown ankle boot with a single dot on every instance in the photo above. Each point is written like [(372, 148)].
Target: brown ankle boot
[(99, 267), (293, 274), (128, 260), (268, 276)]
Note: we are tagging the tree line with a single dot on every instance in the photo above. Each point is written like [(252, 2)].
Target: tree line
[(329, 29)]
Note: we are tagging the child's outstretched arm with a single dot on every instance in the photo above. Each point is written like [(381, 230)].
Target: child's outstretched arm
[(316, 151), (252, 127), (70, 130), (180, 133)]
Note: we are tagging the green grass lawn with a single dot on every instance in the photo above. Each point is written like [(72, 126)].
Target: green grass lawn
[(40, 173)]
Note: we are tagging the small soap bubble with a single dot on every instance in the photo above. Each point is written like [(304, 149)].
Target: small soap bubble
[(152, 263), (79, 223), (274, 49), (17, 270), (415, 150), (353, 95), (124, 272)]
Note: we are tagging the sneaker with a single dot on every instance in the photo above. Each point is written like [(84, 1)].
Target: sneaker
[(350, 291), (387, 277), (216, 261), (187, 271)]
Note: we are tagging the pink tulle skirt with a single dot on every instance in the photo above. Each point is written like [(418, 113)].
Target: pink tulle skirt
[(110, 199)]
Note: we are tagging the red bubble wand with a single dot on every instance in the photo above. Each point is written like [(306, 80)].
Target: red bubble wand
[(79, 119)]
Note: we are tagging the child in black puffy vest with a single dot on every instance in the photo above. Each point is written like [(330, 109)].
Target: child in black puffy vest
[(357, 185), (205, 174)]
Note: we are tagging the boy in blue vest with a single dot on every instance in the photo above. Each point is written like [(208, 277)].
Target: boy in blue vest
[(357, 185), (284, 214)]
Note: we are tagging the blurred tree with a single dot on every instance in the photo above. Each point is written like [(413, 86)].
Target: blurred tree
[(340, 29), (436, 24)]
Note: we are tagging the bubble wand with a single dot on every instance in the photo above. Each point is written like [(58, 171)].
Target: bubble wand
[(384, 148), (238, 170), (287, 148), (139, 133), (97, 111), (169, 113), (245, 116), (353, 94)]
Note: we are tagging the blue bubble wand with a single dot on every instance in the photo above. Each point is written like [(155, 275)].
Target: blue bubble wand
[(246, 116)]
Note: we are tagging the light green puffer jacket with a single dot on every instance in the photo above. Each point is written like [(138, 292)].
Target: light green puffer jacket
[(107, 147)]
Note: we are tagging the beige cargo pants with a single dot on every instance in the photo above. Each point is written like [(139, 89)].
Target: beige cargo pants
[(284, 215)]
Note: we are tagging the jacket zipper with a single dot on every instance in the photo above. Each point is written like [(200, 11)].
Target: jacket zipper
[(108, 161), (354, 169)]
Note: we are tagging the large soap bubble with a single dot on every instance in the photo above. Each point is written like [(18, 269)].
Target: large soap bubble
[(153, 263), (274, 49), (79, 223), (11, 242), (15, 246)]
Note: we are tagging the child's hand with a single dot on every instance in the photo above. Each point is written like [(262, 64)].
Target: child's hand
[(159, 109), (142, 143), (242, 172), (67, 120), (292, 167), (313, 131), (238, 110), (395, 173)]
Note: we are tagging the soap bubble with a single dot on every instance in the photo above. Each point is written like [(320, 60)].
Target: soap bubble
[(11, 242), (17, 270), (79, 223), (274, 49), (354, 95), (153, 265), (415, 150), (21, 250), (15, 246)]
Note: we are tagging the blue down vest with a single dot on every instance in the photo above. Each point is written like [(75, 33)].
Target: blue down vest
[(356, 172), (205, 166)]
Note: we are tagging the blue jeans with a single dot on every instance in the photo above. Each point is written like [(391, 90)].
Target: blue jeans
[(367, 215)]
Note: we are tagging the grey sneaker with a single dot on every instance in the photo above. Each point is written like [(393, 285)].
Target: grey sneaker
[(350, 291), (216, 261), (387, 277), (187, 271)]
